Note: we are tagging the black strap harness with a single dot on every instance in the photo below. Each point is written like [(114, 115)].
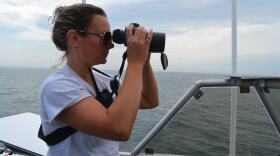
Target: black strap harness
[(104, 97)]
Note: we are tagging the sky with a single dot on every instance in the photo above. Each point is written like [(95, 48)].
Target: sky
[(198, 33)]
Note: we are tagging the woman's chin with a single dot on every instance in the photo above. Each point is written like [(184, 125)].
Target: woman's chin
[(104, 61)]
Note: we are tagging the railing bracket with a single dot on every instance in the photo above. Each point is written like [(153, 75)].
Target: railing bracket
[(149, 151), (198, 94), (244, 89)]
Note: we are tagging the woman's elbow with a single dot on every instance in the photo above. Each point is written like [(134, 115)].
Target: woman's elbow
[(124, 136), (154, 105), (122, 133), (149, 105)]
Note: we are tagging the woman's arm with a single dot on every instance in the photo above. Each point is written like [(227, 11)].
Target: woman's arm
[(150, 98)]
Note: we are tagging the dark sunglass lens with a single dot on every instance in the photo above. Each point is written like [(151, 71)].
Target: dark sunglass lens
[(107, 38)]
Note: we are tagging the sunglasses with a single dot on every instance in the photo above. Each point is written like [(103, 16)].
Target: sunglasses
[(105, 37)]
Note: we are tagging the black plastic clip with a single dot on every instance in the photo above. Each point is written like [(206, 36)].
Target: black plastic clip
[(198, 94), (244, 89), (149, 151), (266, 90)]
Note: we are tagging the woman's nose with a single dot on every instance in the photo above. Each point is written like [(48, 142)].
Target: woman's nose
[(111, 45)]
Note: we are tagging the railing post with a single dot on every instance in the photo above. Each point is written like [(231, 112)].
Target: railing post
[(233, 72)]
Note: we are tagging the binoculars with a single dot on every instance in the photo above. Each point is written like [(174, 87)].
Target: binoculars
[(157, 44)]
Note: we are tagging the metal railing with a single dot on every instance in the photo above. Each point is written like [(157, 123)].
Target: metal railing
[(260, 85)]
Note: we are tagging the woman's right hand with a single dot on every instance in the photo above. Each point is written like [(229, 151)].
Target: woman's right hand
[(138, 44)]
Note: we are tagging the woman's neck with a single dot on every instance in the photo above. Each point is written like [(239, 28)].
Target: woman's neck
[(78, 67), (83, 71)]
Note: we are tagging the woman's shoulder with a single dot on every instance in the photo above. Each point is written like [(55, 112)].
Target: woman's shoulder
[(59, 78)]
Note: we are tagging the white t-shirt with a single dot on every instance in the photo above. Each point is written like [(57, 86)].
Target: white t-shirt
[(61, 90)]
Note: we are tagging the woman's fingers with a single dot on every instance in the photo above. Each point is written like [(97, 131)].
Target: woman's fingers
[(138, 32), (149, 36), (129, 30), (143, 34)]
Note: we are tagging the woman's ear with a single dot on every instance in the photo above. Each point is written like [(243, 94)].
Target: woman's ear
[(73, 38)]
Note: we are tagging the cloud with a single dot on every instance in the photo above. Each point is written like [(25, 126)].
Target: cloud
[(214, 39), (188, 44), (110, 3), (200, 40), (22, 14), (185, 3), (200, 44), (35, 33), (256, 39), (26, 15)]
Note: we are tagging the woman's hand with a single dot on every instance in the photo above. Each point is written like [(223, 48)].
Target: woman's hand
[(138, 44)]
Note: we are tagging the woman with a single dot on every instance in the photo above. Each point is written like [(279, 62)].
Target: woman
[(68, 97)]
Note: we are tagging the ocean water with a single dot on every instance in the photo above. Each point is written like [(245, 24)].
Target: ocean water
[(200, 129)]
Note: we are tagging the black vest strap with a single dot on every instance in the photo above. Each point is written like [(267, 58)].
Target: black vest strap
[(56, 136)]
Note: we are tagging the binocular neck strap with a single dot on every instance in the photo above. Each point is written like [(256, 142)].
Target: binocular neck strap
[(118, 75), (94, 83), (122, 65)]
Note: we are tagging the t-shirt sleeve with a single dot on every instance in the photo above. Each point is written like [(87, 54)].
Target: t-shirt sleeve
[(59, 95)]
